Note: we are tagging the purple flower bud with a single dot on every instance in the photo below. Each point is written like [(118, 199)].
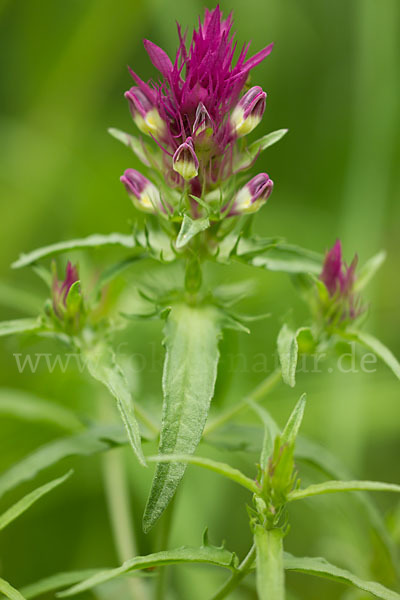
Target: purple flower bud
[(185, 161), (253, 195), (144, 195), (202, 124), (248, 113), (66, 309), (339, 281), (145, 114)]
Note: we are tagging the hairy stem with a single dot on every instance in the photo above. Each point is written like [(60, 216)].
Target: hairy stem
[(237, 576), (262, 390)]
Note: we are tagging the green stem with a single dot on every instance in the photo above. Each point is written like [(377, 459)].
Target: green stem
[(270, 574), (237, 576), (262, 390), (166, 526), (117, 495)]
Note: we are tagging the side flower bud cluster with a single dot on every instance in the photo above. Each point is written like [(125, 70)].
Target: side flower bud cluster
[(67, 309)]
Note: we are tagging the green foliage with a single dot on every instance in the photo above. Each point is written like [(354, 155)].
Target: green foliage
[(22, 505), (190, 370), (206, 554), (20, 326), (9, 591), (103, 365)]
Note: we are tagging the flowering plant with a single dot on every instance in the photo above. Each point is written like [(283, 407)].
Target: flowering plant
[(199, 206)]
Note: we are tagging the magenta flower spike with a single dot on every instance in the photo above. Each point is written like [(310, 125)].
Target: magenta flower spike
[(249, 111), (193, 100), (144, 194), (185, 161), (253, 195)]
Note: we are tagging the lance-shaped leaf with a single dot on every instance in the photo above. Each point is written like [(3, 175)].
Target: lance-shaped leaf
[(56, 582), (371, 343), (270, 577), (190, 228), (205, 554), (249, 155), (20, 326), (26, 502), (92, 441), (292, 427), (331, 487), (289, 259), (103, 366), (24, 405), (190, 371), (136, 145), (368, 270), (322, 568), (9, 591), (92, 241)]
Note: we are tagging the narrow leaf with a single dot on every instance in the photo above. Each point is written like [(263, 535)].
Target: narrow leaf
[(212, 465), (289, 259), (19, 326), (90, 442), (288, 351), (270, 576), (9, 591), (190, 228), (22, 505), (368, 270), (271, 430), (190, 371), (103, 366), (247, 158), (330, 487), (322, 568), (56, 582), (371, 343), (132, 142), (205, 554), (93, 241), (28, 407), (292, 427)]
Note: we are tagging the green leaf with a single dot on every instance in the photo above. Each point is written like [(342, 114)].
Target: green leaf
[(28, 407), (371, 343), (270, 576), (22, 505), (287, 351), (292, 427), (102, 364), (92, 441), (55, 582), (289, 259), (330, 487), (246, 159), (9, 591), (93, 241), (190, 228), (132, 142), (271, 430), (190, 371), (205, 554), (368, 270), (212, 465), (19, 326), (322, 568)]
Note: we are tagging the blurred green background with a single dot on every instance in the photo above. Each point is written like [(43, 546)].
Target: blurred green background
[(334, 80)]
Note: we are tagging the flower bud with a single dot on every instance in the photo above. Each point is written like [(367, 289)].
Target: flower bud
[(248, 113), (144, 195), (202, 125), (253, 195), (185, 161), (145, 114), (67, 300)]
